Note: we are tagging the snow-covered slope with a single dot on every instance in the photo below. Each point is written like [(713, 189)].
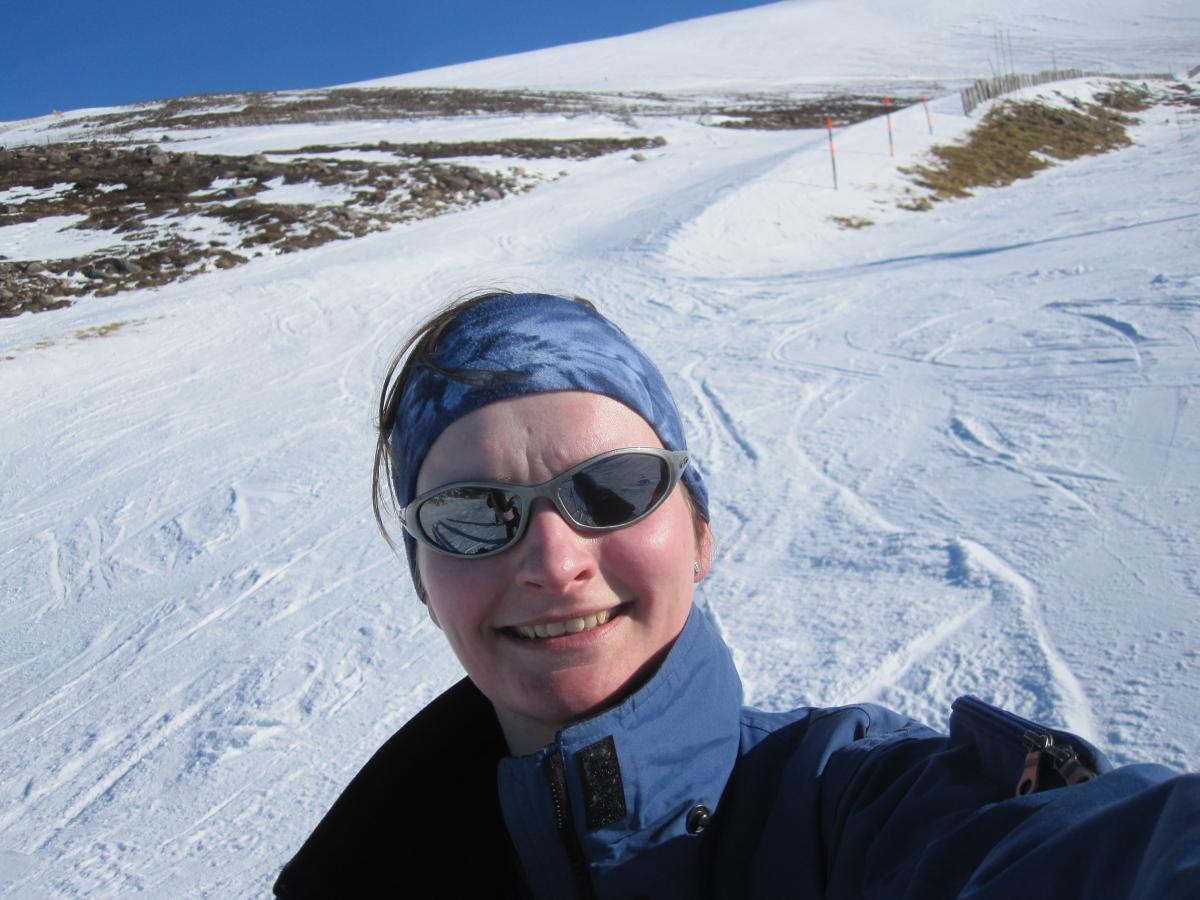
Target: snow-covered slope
[(952, 452), (805, 43)]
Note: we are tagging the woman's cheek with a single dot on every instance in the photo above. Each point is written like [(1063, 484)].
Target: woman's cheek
[(455, 590), (653, 551)]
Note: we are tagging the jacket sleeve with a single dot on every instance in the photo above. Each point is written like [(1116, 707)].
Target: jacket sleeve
[(921, 816)]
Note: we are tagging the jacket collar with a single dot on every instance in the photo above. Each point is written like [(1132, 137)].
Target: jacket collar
[(612, 795)]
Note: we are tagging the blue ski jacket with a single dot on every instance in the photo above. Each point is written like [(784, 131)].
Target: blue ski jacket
[(681, 792)]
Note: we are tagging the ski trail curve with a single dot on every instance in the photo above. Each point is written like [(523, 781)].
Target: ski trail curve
[(1076, 707)]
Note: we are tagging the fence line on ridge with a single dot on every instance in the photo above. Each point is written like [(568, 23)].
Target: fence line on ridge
[(988, 88)]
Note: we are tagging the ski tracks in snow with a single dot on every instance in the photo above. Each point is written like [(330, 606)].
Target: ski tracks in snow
[(960, 632), (999, 386)]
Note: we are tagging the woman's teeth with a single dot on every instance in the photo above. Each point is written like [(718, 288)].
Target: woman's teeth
[(571, 626)]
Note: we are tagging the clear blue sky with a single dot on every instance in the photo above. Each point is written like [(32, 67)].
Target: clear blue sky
[(67, 54)]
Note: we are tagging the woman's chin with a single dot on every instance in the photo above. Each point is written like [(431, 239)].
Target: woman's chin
[(569, 699), (567, 696)]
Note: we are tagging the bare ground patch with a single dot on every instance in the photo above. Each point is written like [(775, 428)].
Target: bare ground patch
[(174, 215), (778, 114), (525, 148), (853, 223), (81, 334), (332, 105), (206, 111)]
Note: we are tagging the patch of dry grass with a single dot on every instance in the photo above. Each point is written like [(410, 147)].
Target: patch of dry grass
[(854, 222), (1017, 139), (915, 202), (1126, 98), (81, 334), (99, 331)]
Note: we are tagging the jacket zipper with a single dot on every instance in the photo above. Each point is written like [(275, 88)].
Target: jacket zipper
[(1042, 754), (1061, 757), (557, 778)]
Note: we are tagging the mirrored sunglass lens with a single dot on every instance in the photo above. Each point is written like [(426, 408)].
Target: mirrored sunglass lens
[(616, 490), (470, 520)]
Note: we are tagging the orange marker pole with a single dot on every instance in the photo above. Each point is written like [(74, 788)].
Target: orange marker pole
[(928, 118), (832, 154), (887, 108)]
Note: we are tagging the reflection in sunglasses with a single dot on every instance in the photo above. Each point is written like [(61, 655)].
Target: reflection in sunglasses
[(505, 509)]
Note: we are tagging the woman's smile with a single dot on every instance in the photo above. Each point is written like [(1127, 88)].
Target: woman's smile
[(560, 627)]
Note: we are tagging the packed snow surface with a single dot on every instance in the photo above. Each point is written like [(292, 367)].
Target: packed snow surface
[(852, 43), (953, 452)]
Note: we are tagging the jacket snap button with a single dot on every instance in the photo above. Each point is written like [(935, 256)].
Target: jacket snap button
[(698, 819)]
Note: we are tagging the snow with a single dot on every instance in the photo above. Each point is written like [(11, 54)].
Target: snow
[(955, 451), (855, 44), (307, 192), (53, 237), (16, 196), (201, 228)]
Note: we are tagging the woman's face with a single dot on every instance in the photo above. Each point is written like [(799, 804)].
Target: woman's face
[(641, 577)]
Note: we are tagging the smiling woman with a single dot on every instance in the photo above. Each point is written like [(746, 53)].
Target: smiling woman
[(556, 526)]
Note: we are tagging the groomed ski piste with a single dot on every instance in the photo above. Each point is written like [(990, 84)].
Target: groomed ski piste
[(956, 451)]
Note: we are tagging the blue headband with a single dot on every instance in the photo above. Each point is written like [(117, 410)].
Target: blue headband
[(539, 344)]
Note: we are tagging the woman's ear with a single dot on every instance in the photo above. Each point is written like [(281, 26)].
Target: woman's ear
[(704, 548)]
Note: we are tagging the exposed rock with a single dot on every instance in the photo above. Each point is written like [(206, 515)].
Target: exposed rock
[(117, 265)]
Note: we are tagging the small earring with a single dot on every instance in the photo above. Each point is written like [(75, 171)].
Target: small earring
[(695, 568)]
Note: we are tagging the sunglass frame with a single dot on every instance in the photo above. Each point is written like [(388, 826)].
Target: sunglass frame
[(526, 494)]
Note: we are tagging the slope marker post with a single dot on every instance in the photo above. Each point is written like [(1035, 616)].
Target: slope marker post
[(832, 154), (887, 109), (928, 118)]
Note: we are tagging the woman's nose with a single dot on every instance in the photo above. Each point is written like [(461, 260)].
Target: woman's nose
[(554, 557)]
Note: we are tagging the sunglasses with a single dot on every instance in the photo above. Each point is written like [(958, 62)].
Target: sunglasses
[(475, 519)]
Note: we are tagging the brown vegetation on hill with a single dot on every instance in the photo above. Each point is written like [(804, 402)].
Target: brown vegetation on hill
[(1016, 139), (237, 110), (153, 199)]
